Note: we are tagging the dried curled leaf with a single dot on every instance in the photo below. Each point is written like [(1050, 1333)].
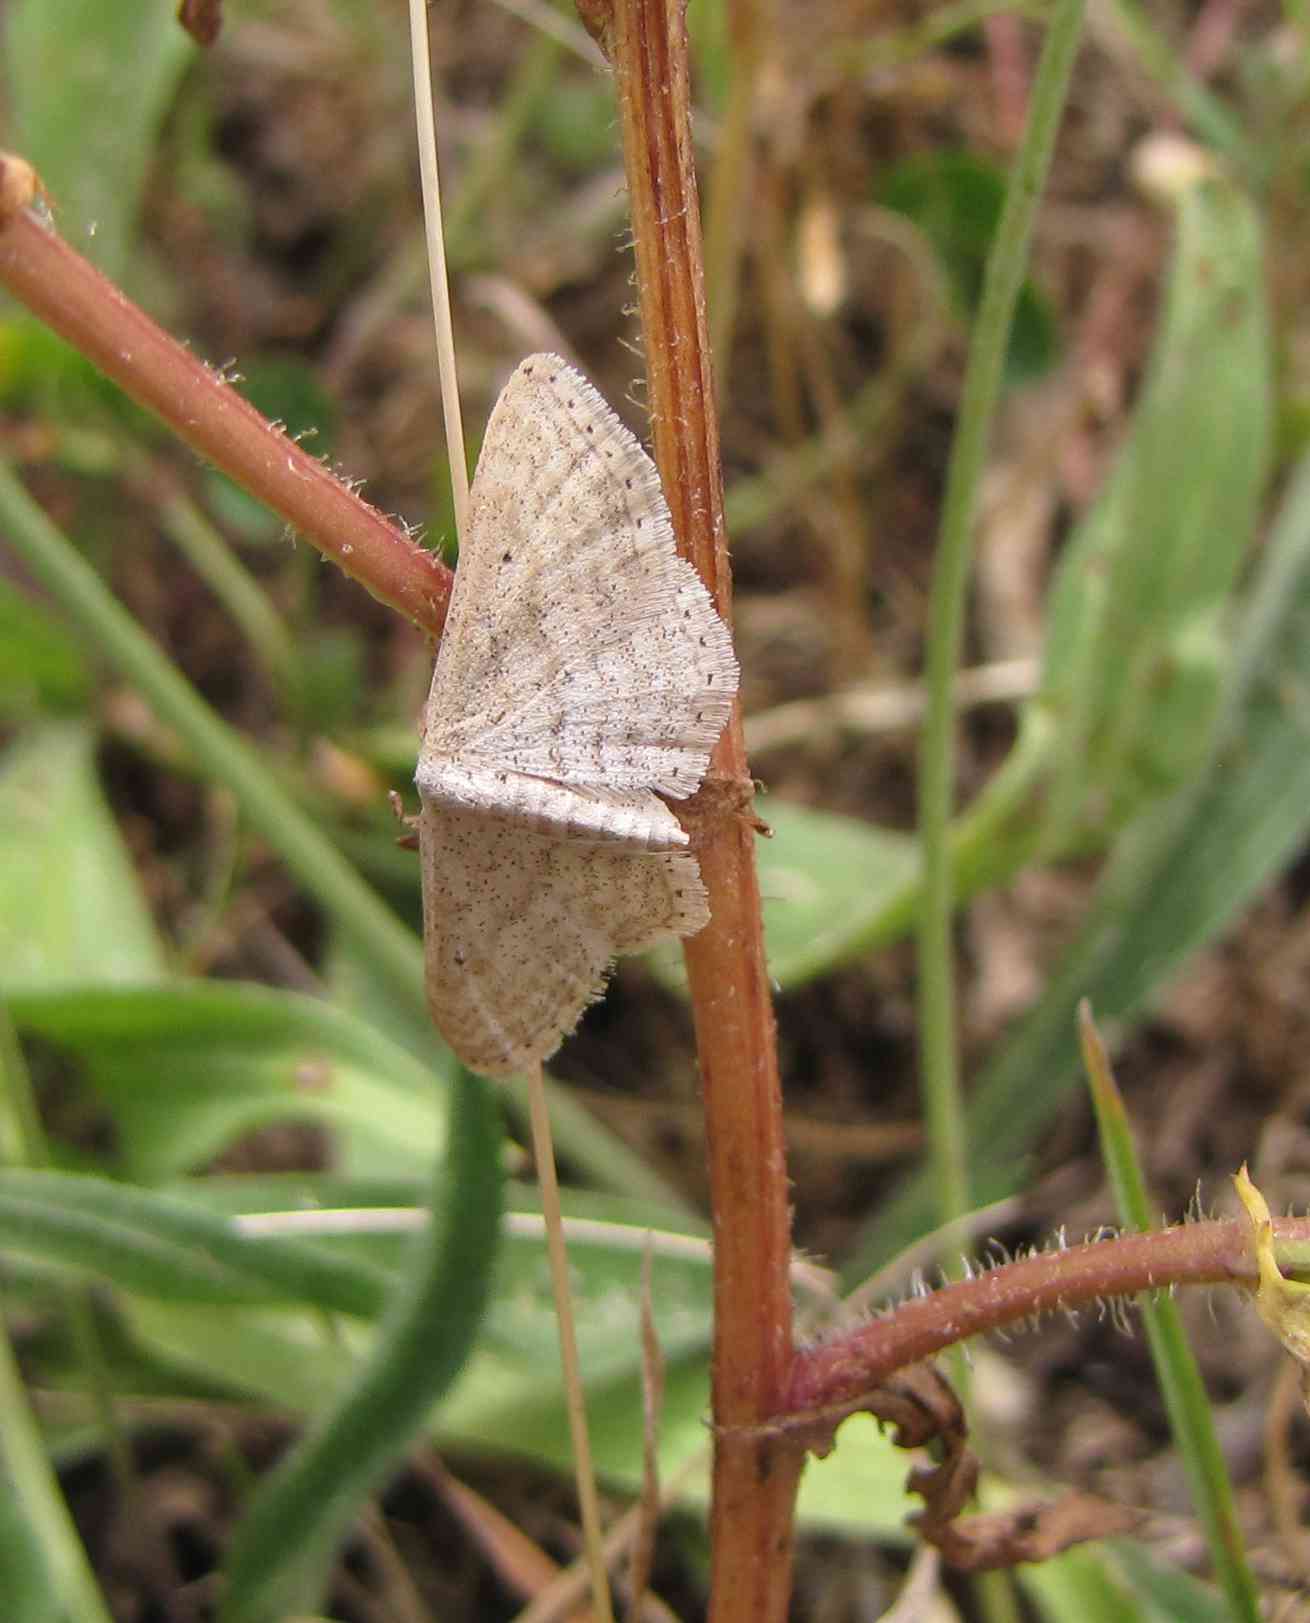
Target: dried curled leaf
[(924, 1410), (1029, 1533)]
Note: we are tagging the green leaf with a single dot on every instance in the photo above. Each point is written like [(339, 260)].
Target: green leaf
[(227, 757), (1083, 1584), (46, 1571), (42, 374), (816, 914), (203, 1294), (283, 1546), (508, 1398), (186, 1067), (167, 1247), (816, 909), (287, 391), (330, 679), (41, 666), (70, 905), (575, 124), (711, 42), (23, 1560), (1137, 645), (200, 1272), (87, 86), (955, 198), (241, 515), (1172, 1595), (1135, 649)]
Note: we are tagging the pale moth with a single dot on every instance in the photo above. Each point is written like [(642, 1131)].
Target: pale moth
[(583, 674)]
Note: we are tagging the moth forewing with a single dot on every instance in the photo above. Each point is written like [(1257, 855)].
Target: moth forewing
[(583, 673)]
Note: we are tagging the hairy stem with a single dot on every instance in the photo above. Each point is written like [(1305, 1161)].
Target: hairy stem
[(754, 1483), (203, 409), (841, 1369)]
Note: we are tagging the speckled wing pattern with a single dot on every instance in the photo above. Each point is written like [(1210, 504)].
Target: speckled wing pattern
[(583, 673)]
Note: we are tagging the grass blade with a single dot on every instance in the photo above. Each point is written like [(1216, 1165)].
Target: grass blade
[(1188, 1407)]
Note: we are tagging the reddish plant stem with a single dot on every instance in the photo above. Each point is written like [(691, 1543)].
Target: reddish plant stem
[(837, 1372), (71, 296), (754, 1482)]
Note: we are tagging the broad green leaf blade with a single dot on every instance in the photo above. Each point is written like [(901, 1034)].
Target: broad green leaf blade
[(1134, 651), (1079, 1585), (87, 85), (205, 1298), (815, 910), (186, 1067), (815, 915), (164, 1246), (283, 1545), (508, 1401), (70, 906), (607, 1242), (857, 1490)]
